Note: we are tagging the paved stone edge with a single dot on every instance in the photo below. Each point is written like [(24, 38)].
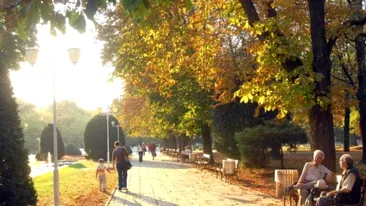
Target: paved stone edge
[(110, 197)]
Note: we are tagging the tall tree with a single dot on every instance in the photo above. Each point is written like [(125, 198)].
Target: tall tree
[(16, 187)]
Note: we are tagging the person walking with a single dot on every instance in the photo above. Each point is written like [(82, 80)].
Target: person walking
[(100, 172), (152, 149), (140, 150), (120, 158)]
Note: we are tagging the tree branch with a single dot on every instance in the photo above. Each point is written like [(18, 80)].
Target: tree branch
[(12, 5), (340, 79), (346, 24), (345, 70), (252, 15)]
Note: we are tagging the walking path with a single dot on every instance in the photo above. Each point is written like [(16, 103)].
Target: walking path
[(166, 182)]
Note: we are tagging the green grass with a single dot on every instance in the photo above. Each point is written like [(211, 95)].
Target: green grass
[(77, 185)]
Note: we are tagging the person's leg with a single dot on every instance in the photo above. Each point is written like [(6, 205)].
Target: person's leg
[(325, 201), (124, 178), (104, 182), (119, 170), (140, 156), (303, 195), (304, 192), (343, 198), (100, 183)]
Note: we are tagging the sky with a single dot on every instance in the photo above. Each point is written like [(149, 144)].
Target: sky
[(86, 83)]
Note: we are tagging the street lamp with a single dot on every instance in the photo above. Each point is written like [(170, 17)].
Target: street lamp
[(116, 126), (108, 137), (32, 56)]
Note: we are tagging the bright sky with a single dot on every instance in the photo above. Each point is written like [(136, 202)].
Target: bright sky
[(85, 83)]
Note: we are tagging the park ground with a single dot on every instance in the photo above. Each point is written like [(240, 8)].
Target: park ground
[(78, 185)]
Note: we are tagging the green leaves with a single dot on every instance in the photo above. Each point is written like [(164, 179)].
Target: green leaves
[(76, 20)]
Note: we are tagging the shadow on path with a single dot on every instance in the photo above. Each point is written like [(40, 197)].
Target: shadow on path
[(158, 164), (145, 199)]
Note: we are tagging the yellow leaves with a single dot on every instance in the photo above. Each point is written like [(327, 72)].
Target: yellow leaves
[(261, 100)]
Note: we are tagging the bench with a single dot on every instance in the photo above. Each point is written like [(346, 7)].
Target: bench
[(203, 161), (226, 172)]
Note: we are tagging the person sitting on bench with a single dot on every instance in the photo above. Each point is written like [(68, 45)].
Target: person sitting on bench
[(311, 173), (348, 189), (186, 152)]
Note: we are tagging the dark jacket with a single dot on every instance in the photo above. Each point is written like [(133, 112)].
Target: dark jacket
[(355, 193)]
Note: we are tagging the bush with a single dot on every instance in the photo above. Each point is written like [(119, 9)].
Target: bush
[(71, 149), (95, 137), (232, 118), (257, 145), (46, 144), (253, 148)]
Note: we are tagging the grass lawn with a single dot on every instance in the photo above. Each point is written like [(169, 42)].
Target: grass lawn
[(77, 185)]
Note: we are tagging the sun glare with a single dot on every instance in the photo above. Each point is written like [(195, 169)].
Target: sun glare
[(85, 83)]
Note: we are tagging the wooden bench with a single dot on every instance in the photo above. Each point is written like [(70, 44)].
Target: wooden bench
[(228, 177), (203, 162)]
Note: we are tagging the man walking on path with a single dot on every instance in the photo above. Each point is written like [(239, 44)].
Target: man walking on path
[(120, 157)]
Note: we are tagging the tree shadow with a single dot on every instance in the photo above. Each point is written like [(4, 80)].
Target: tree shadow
[(144, 200)]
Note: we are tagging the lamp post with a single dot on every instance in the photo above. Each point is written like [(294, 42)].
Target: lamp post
[(108, 137), (116, 126), (32, 56)]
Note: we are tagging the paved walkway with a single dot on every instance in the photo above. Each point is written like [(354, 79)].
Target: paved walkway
[(166, 182)]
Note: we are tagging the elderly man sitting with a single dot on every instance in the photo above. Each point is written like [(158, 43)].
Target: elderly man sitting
[(311, 173), (348, 189)]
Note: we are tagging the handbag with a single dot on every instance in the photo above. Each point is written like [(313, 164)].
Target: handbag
[(128, 165)]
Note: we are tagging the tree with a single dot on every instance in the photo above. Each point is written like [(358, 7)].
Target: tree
[(32, 125), (46, 144), (16, 187), (95, 136)]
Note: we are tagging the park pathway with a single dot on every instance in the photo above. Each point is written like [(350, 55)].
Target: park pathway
[(166, 182)]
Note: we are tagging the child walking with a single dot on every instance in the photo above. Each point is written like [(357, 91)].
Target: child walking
[(102, 175)]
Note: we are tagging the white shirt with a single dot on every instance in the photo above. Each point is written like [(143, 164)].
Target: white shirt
[(101, 169), (314, 173)]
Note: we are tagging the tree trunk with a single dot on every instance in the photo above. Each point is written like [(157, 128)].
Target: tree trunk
[(361, 93), (206, 139), (356, 6), (320, 118), (347, 114)]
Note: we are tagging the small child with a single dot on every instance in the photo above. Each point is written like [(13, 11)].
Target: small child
[(102, 175)]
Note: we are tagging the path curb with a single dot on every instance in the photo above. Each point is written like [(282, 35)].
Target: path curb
[(110, 197)]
